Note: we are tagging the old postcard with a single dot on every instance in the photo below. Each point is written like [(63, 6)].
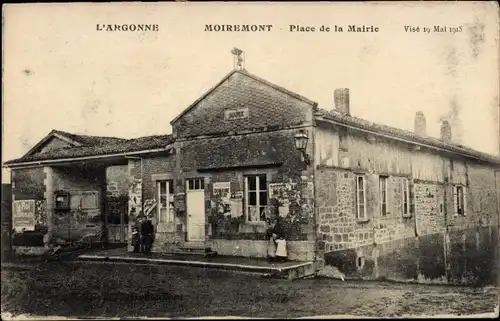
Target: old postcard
[(253, 160)]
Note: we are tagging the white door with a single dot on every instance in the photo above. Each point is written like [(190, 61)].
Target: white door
[(195, 206)]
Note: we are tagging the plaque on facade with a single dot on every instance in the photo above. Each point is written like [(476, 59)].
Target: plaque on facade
[(234, 114)]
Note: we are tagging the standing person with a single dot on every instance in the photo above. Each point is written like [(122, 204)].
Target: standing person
[(147, 231), (279, 232), (271, 246), (281, 252), (136, 239)]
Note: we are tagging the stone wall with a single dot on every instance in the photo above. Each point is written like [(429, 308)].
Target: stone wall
[(432, 243), (27, 184), (78, 221), (429, 208), (228, 159), (267, 108), (117, 180)]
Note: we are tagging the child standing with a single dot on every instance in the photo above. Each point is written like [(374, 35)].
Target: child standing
[(281, 252)]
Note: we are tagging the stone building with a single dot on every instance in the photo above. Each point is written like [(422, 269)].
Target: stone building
[(373, 200)]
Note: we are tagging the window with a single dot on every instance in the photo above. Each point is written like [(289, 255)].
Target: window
[(405, 191), (360, 197), (165, 209), (256, 198), (196, 184), (383, 194), (459, 200)]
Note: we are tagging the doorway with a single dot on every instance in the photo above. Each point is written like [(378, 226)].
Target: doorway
[(117, 219), (195, 206)]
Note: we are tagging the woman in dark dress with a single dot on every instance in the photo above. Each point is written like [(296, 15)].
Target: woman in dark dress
[(147, 231)]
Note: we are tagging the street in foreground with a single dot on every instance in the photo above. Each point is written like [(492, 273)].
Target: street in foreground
[(119, 290)]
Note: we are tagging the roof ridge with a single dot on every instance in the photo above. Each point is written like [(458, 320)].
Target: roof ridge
[(433, 141), (62, 132)]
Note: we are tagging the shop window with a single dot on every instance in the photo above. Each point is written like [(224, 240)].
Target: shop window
[(256, 198), (165, 190), (361, 197), (383, 194), (460, 201)]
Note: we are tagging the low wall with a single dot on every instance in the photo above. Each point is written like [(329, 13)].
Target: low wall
[(467, 257), (297, 250)]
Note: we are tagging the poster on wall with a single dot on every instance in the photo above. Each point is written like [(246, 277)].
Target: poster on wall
[(282, 190), (23, 215), (236, 207), (222, 190)]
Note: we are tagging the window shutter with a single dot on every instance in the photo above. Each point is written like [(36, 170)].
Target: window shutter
[(455, 200), (411, 195), (365, 191), (464, 189)]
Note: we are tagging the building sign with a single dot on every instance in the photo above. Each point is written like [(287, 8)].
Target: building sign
[(23, 215), (236, 114)]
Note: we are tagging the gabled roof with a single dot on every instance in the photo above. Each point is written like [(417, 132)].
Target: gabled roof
[(400, 134), (246, 73), (87, 140), (96, 146), (74, 140)]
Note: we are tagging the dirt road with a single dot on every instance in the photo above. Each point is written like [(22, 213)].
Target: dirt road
[(117, 290)]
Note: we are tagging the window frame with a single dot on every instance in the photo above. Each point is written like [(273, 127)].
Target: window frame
[(357, 187), (169, 190), (257, 191), (383, 194), (198, 184)]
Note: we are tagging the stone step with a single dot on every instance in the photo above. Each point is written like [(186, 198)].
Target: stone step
[(204, 253), (195, 247), (296, 271)]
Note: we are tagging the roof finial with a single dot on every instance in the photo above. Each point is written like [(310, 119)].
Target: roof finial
[(238, 58)]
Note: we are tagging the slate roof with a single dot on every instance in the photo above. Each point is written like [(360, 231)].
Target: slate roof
[(404, 134), (87, 140), (98, 145)]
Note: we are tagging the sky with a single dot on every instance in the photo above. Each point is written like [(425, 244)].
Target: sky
[(61, 73)]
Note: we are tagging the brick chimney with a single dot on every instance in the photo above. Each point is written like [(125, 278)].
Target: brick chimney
[(420, 124), (341, 98), (446, 131)]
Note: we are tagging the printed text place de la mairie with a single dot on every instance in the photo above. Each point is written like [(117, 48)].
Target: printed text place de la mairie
[(290, 28)]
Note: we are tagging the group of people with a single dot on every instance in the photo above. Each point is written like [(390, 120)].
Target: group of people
[(276, 247), (143, 238), (143, 235)]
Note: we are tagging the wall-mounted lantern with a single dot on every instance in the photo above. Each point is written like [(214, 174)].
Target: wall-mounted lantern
[(301, 139)]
